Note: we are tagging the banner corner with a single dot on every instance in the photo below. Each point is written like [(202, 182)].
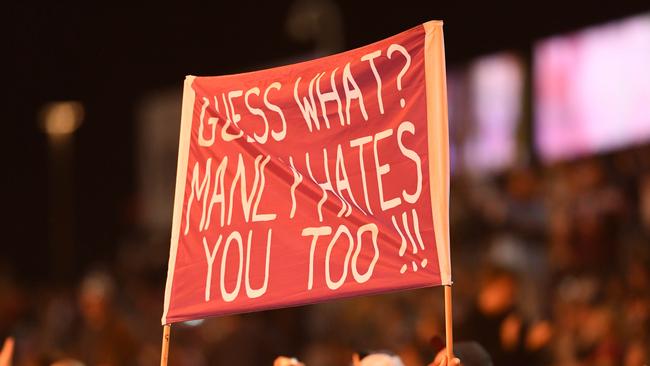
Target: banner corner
[(432, 24)]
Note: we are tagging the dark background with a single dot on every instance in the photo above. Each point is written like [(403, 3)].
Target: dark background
[(108, 56), (103, 302)]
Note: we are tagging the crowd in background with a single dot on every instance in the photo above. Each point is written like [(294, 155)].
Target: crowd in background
[(551, 266)]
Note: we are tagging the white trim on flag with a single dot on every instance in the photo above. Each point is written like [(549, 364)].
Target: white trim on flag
[(181, 175), (438, 138)]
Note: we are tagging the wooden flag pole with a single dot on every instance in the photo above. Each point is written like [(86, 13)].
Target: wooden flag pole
[(164, 354), (449, 336)]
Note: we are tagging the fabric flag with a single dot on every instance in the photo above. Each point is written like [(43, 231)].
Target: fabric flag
[(314, 181)]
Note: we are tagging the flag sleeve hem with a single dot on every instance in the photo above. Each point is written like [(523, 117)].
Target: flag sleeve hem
[(181, 177), (438, 142)]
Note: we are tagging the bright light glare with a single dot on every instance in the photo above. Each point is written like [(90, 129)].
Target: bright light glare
[(193, 323), (592, 90), (497, 84), (62, 118)]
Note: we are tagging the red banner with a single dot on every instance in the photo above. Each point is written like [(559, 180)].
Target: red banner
[(314, 181)]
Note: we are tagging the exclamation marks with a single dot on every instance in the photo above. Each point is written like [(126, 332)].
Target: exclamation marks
[(404, 245)]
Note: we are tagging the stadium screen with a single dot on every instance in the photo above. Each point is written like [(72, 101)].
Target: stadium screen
[(592, 90), (485, 107)]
